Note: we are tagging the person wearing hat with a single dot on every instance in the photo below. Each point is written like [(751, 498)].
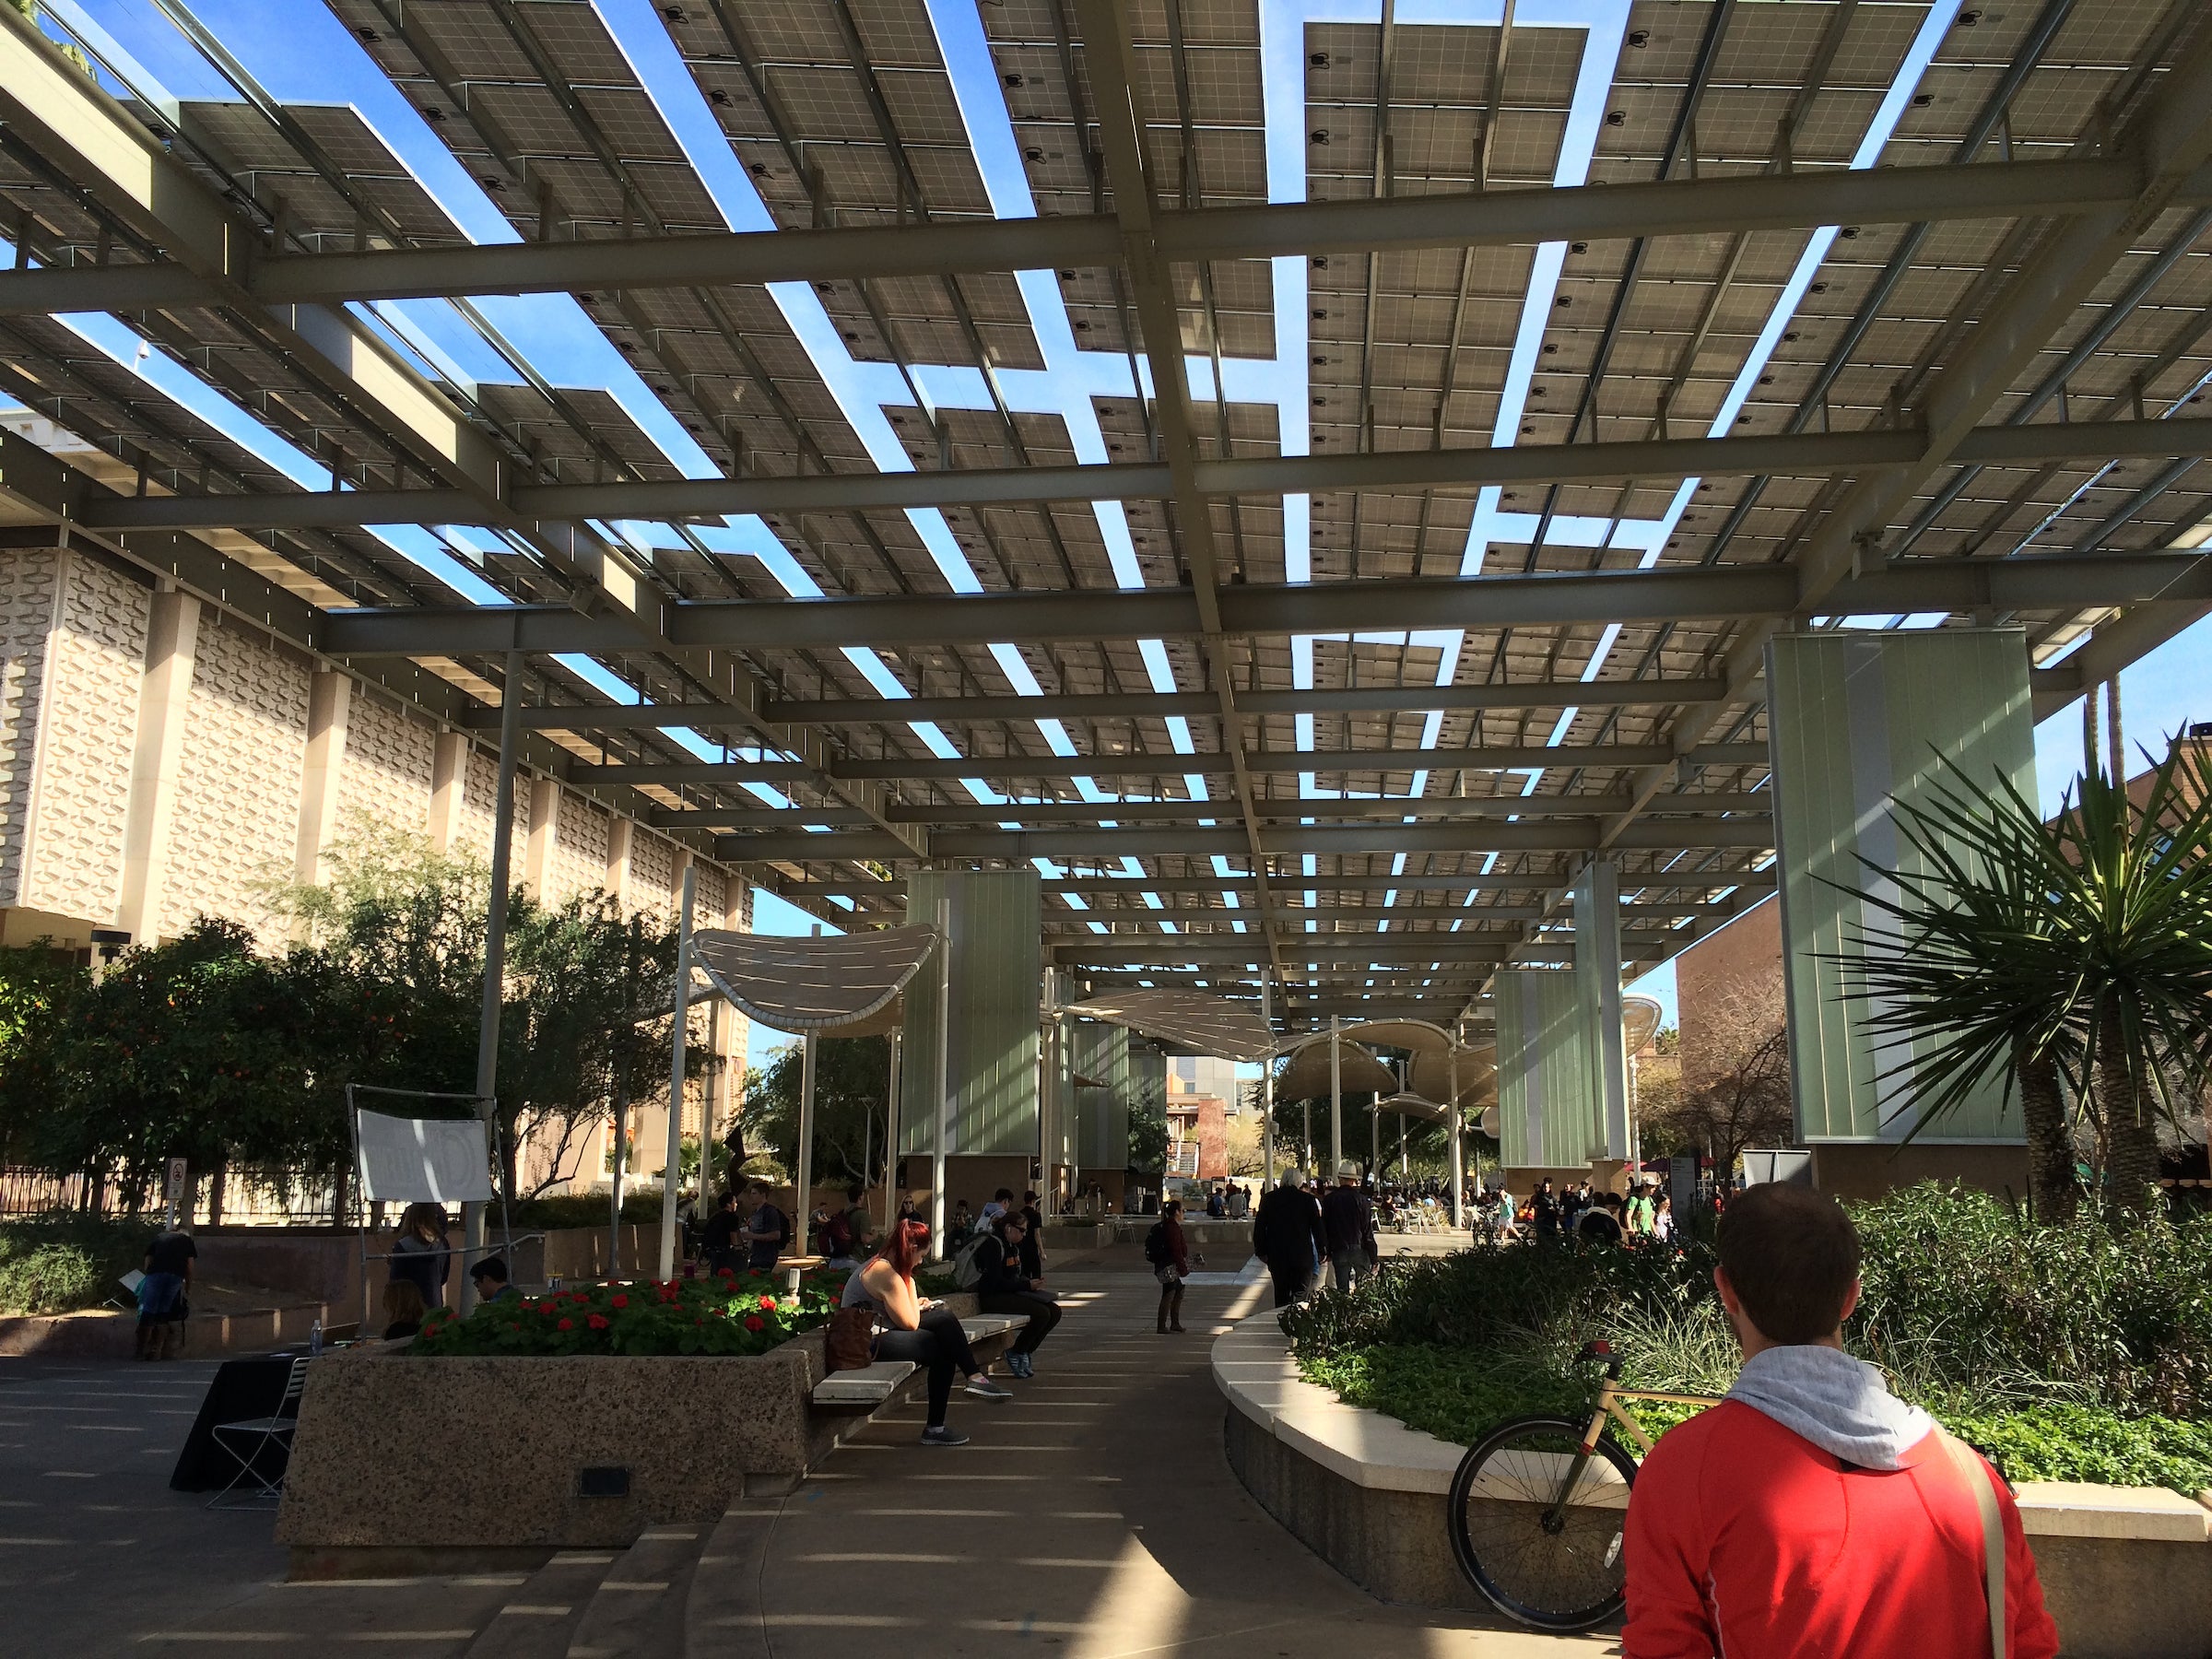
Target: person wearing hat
[(1286, 1236), (1348, 1227)]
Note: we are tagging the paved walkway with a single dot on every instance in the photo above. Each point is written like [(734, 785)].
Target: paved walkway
[(1096, 1515)]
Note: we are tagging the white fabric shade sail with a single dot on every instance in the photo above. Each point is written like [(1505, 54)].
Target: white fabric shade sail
[(1184, 1020), (423, 1160), (1406, 1103), (840, 985), (1307, 1078)]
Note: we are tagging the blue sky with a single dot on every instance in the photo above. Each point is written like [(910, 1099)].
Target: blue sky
[(299, 51)]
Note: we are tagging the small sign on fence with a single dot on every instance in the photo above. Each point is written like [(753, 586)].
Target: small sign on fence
[(174, 1204)]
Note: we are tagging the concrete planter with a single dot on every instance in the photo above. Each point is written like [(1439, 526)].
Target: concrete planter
[(2126, 1571), (406, 1463)]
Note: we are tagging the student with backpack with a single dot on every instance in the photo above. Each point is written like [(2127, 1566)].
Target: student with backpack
[(1812, 1510), (1170, 1260)]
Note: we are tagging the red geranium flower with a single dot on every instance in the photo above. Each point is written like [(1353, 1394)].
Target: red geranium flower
[(545, 1307), (568, 1325), (753, 1322), (597, 1321), (729, 1273), (768, 1301), (621, 1302), (581, 1296)]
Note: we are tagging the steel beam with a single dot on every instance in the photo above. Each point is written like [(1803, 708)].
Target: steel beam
[(1560, 835), (2058, 582), (1801, 454), (1269, 809), (1761, 882), (1454, 219)]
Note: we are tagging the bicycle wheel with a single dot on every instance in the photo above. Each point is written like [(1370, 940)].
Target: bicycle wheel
[(1538, 1529)]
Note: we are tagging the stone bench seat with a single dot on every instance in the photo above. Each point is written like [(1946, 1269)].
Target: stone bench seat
[(979, 1326), (863, 1389)]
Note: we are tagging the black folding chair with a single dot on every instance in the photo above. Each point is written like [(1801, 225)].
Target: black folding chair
[(256, 1438)]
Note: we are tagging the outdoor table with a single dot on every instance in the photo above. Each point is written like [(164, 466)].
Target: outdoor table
[(239, 1391)]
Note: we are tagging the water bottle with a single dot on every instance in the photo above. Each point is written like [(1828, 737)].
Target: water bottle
[(314, 1339)]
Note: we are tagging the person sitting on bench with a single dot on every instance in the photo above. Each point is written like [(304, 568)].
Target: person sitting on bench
[(928, 1333), (1004, 1287)]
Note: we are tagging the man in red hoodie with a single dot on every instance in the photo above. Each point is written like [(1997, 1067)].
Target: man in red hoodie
[(1812, 1513)]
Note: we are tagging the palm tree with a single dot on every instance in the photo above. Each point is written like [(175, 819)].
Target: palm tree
[(2074, 956)]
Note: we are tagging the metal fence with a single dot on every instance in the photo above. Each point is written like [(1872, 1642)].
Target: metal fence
[(250, 1199)]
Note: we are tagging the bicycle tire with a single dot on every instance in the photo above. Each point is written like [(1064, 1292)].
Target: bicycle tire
[(1561, 1580)]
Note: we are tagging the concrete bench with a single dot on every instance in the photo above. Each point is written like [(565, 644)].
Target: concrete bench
[(863, 1389), (978, 1326)]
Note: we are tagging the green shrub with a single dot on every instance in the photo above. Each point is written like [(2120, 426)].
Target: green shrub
[(725, 1313), (579, 1209), (61, 1262), (2076, 1352)]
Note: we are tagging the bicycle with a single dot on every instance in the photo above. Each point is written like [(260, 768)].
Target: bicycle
[(1539, 1504)]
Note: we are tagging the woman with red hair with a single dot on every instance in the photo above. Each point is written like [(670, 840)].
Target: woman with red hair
[(925, 1332)]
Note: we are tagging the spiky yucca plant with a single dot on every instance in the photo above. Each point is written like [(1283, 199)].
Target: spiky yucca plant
[(2073, 957)]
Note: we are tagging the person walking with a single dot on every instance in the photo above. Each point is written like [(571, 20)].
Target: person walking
[(1002, 1286), (1811, 1511), (926, 1332), (1347, 1228), (1663, 1219), (421, 1253), (1170, 1260), (1286, 1236), (1546, 1215), (719, 1237), (165, 1294), (768, 1232)]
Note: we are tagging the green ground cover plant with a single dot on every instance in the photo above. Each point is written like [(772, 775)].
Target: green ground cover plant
[(62, 1261), (2074, 1352), (726, 1313)]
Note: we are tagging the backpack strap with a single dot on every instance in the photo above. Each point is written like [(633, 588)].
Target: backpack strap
[(1966, 1464)]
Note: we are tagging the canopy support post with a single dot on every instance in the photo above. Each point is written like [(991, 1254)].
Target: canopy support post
[(670, 1181), (938, 1142), (802, 1192), (891, 1135), (1336, 1098), (495, 956), (1266, 1090), (1459, 1157)]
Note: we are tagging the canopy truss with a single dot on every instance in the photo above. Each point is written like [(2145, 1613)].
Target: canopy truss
[(1241, 463)]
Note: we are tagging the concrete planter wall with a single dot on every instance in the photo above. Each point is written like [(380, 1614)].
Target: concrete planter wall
[(402, 1460), (2127, 1572)]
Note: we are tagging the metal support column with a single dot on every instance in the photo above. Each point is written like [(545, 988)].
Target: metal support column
[(669, 1182), (802, 1191), (1335, 1100), (1458, 1129), (890, 1138), (938, 1142), (1266, 1092), (495, 959)]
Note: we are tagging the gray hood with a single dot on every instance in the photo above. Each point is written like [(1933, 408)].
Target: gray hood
[(1839, 1404)]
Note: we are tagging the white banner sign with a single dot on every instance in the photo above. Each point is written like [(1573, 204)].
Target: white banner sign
[(411, 1160)]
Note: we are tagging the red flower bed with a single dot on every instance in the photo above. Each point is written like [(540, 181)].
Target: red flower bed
[(730, 1313)]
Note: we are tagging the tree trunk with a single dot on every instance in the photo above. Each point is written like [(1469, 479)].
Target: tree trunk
[(2050, 1147), (218, 1189), (2131, 1135)]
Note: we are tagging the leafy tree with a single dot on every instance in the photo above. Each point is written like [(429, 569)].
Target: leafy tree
[(187, 1049), (852, 1078), (2072, 958)]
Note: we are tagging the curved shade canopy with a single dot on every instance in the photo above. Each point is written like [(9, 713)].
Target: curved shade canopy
[(1415, 1036), (1406, 1104), (1640, 1017), (1184, 1020), (1432, 1073), (840, 982), (1306, 1076)]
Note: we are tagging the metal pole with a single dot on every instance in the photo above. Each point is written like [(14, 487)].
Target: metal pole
[(803, 1180), (495, 958), (891, 1134), (669, 1176), (706, 1108), (1267, 1092), (1459, 1155), (1336, 1097), (940, 1141)]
